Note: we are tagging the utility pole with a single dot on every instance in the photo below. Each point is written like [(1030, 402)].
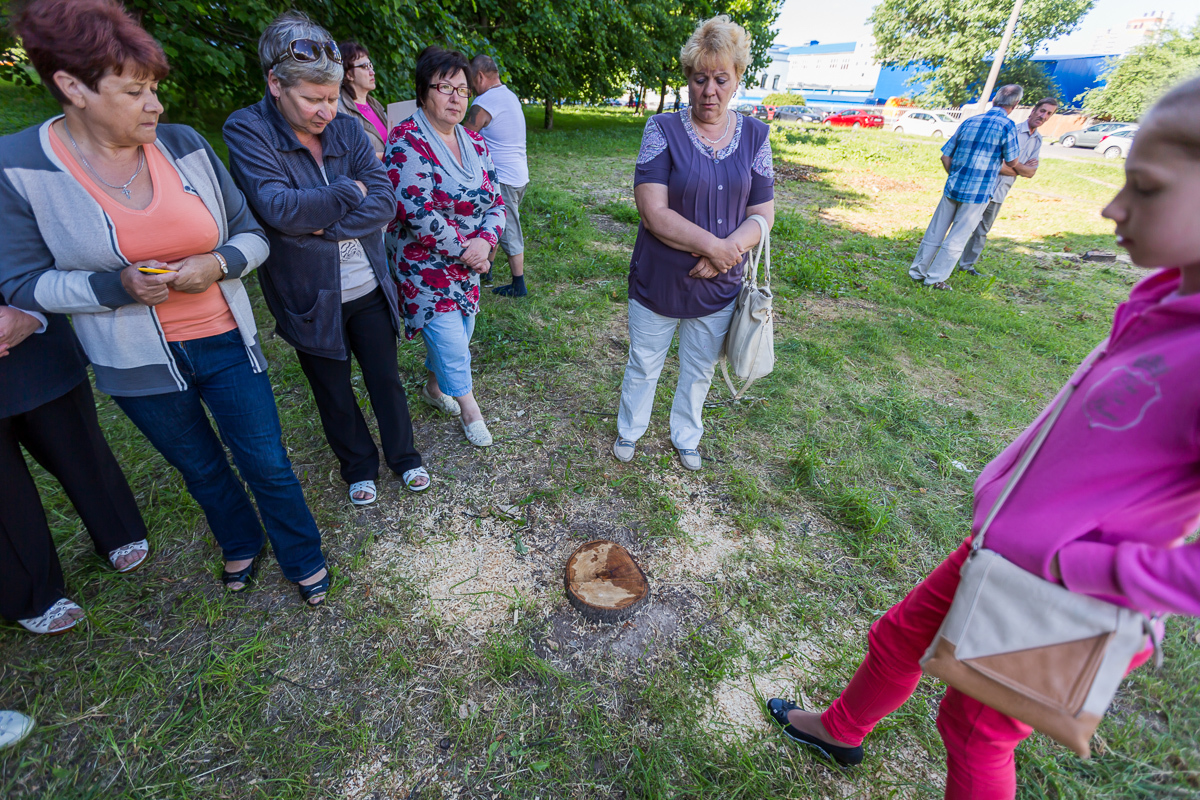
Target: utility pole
[(1000, 52)]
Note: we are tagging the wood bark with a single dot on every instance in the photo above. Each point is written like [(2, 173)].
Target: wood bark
[(549, 122)]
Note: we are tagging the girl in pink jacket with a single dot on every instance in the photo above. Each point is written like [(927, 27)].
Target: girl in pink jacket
[(1107, 502)]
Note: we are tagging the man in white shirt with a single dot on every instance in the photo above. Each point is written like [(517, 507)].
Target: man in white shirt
[(496, 113), (1029, 143)]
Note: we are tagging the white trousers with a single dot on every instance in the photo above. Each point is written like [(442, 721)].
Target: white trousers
[(650, 336), (949, 231)]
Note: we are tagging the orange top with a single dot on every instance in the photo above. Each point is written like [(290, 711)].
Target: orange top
[(174, 226)]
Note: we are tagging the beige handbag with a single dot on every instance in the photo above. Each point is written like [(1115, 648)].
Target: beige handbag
[(1033, 649), (750, 344)]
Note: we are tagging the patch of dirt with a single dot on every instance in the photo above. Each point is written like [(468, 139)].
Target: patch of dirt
[(606, 224), (804, 173), (874, 183), (814, 307)]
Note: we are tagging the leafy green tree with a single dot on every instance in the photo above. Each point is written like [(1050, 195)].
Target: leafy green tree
[(1134, 82), (784, 99), (954, 41)]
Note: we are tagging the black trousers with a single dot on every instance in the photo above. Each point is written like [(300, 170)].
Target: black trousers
[(369, 336), (64, 436)]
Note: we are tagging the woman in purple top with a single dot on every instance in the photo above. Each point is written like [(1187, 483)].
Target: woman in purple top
[(700, 174)]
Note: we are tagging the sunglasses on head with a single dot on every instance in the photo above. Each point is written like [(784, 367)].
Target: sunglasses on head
[(307, 51)]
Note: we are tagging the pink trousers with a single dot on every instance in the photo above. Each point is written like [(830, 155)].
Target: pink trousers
[(979, 740)]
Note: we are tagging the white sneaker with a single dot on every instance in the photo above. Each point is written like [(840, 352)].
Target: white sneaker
[(689, 458), (477, 433), (14, 727), (624, 450)]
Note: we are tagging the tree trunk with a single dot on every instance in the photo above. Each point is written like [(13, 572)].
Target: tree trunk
[(604, 583), (549, 123), (662, 98)]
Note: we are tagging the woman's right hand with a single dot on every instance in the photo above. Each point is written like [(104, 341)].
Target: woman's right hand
[(147, 288), (724, 254), (475, 257)]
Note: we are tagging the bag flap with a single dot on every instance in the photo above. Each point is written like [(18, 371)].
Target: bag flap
[(1012, 610)]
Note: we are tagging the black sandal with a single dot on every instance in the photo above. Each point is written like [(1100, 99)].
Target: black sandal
[(314, 591), (842, 756), (243, 576)]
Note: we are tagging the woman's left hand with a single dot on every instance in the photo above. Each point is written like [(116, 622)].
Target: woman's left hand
[(704, 269), (196, 273), (475, 257)]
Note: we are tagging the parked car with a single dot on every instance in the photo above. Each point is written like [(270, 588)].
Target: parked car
[(799, 114), (937, 124), (1092, 134), (755, 110), (1116, 144), (855, 118)]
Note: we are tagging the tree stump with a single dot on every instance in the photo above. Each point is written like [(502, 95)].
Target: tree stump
[(604, 583)]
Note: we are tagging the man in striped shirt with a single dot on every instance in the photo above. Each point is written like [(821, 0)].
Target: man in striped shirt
[(972, 158)]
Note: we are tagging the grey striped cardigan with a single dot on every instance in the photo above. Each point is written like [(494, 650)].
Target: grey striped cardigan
[(60, 255)]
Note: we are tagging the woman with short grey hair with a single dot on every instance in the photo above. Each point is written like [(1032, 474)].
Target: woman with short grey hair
[(312, 178)]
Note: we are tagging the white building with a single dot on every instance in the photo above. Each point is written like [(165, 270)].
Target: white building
[(1136, 31), (844, 68), (775, 77)]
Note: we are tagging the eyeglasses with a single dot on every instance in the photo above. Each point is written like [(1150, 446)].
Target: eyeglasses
[(307, 51), (367, 65), (447, 89)]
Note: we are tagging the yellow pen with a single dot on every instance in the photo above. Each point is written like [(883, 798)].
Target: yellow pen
[(152, 270)]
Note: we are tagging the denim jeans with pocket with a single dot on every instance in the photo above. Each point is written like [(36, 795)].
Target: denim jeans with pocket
[(219, 376), (448, 351)]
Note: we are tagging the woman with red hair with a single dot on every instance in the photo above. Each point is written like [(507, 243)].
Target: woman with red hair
[(137, 230)]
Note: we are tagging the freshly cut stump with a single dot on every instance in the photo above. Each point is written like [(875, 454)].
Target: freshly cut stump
[(604, 583)]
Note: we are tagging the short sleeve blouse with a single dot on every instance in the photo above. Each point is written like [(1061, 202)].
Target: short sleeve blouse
[(710, 189)]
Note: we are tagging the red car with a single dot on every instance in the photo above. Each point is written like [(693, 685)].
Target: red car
[(855, 118)]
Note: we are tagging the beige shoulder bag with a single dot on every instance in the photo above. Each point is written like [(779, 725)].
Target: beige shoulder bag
[(1033, 649), (750, 344)]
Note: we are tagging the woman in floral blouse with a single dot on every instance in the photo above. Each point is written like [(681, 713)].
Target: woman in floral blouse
[(449, 217)]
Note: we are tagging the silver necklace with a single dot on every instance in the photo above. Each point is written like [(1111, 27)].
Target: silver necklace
[(712, 142), (123, 189)]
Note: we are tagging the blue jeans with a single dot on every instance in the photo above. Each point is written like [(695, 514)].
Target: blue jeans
[(448, 351), (219, 376)]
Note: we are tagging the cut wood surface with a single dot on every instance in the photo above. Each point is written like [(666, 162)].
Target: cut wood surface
[(604, 583)]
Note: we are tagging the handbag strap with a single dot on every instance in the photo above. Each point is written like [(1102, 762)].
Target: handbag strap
[(756, 254), (1034, 446)]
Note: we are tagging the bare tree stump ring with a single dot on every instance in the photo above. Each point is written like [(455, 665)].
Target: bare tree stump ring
[(604, 583)]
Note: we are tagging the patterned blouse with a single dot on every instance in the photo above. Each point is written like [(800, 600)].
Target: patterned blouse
[(441, 206)]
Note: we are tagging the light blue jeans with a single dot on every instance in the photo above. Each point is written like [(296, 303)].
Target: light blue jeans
[(448, 351), (650, 336)]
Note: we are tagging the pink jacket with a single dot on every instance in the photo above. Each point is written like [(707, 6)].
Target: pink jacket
[(1116, 486)]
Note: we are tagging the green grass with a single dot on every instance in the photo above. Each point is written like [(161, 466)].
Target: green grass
[(842, 482)]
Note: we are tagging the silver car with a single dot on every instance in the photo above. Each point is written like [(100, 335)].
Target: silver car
[(1092, 134)]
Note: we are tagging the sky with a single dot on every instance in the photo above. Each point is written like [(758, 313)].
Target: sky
[(846, 21)]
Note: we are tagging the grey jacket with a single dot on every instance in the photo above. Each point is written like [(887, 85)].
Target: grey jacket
[(62, 256), (346, 106)]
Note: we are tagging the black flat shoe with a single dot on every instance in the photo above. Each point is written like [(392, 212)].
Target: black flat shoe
[(243, 576), (313, 594), (842, 756), (972, 271)]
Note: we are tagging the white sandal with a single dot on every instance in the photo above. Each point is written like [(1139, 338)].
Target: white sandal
[(410, 476), (445, 403), (14, 727), (362, 486), (477, 433), (132, 547), (41, 625)]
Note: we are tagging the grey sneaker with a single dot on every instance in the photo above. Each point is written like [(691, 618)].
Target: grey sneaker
[(14, 727), (623, 449), (689, 458)]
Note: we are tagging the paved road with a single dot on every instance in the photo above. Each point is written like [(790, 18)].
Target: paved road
[(1074, 153)]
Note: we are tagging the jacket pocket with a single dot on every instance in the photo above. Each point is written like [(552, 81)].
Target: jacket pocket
[(320, 327)]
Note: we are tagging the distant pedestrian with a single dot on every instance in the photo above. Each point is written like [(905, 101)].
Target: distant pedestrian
[(1029, 143), (496, 113), (700, 174), (358, 81), (972, 157)]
